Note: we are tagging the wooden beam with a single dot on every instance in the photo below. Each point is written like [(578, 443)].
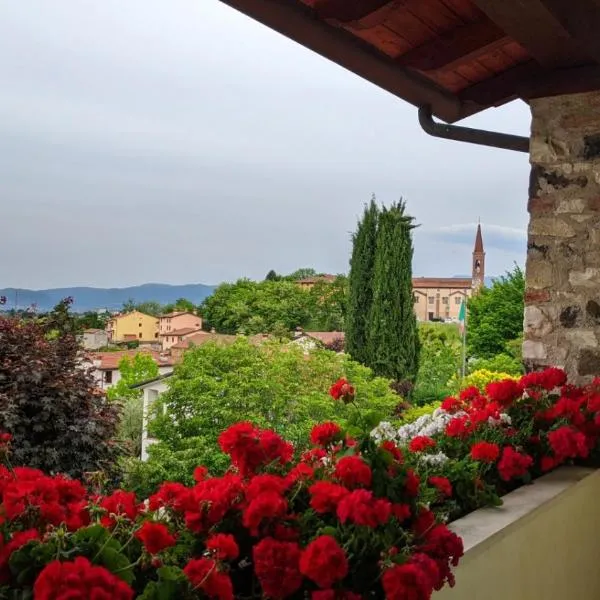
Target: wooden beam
[(530, 23), (575, 80), (460, 45), (347, 10), (301, 24), (581, 19)]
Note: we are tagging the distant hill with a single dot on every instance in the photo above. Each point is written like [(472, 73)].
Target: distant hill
[(89, 298)]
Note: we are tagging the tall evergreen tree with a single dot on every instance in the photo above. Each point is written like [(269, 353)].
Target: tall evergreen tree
[(393, 341), (360, 283)]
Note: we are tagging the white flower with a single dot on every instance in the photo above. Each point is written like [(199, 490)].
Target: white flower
[(433, 459)]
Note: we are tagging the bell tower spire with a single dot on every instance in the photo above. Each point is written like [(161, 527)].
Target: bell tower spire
[(478, 274)]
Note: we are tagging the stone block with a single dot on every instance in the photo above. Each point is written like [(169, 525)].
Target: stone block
[(570, 316), (541, 205), (551, 227), (571, 205), (538, 274), (588, 278), (537, 296), (582, 338), (536, 322), (533, 350), (588, 362), (592, 309)]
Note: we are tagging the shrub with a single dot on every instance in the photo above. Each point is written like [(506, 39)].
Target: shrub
[(501, 363), (59, 421), (273, 385), (414, 412)]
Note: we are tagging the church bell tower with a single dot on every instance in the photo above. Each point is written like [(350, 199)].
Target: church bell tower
[(478, 274)]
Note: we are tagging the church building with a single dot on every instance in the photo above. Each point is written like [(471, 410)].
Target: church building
[(440, 298)]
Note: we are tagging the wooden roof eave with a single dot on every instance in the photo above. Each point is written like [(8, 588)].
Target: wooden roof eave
[(301, 24)]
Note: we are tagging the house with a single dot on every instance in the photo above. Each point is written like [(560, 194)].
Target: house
[(309, 340), (440, 298), (93, 339), (176, 326), (105, 365), (151, 389), (199, 339), (132, 326), (309, 282)]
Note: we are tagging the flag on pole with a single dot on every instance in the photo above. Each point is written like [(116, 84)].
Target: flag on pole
[(462, 316)]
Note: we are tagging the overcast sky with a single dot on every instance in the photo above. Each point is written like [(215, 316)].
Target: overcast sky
[(178, 141)]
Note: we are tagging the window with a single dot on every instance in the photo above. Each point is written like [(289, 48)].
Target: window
[(415, 298), (457, 300), (140, 335), (445, 300), (431, 300), (156, 335), (108, 377)]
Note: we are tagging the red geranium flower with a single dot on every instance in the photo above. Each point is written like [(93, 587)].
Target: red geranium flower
[(267, 506), (353, 472), (485, 452), (119, 504), (200, 473), (412, 483), (420, 443), (401, 511), (155, 537), (547, 379), (409, 581), (469, 394), (334, 595), (458, 427), (224, 546), (393, 450), (169, 495), (276, 565), (79, 579), (442, 484), (451, 404), (324, 561), (325, 496), (261, 484), (203, 574), (18, 540), (513, 464), (342, 390), (566, 442), (361, 508), (504, 392), (325, 434)]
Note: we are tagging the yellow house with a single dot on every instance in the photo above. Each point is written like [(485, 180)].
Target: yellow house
[(132, 326)]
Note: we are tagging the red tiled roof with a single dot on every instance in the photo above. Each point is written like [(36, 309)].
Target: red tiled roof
[(93, 330), (203, 338), (185, 331), (441, 282), (326, 337), (317, 278), (109, 361)]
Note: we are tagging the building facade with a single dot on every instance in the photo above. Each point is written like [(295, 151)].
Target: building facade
[(176, 326), (440, 298), (94, 339), (133, 326)]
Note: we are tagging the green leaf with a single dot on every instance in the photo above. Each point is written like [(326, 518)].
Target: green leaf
[(117, 563)]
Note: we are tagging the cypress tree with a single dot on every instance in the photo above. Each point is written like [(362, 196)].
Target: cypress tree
[(360, 282), (393, 342)]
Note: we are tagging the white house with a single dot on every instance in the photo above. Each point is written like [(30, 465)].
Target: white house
[(94, 339), (152, 389)]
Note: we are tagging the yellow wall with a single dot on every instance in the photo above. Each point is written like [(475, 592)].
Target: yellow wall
[(135, 323), (549, 551)]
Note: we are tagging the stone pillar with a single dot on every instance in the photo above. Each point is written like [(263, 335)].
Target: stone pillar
[(562, 298)]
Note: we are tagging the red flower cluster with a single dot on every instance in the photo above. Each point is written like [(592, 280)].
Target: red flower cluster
[(18, 540), (421, 443), (324, 562), (79, 579), (485, 452), (442, 484), (277, 566), (223, 546), (504, 392), (204, 574), (155, 537), (362, 508), (548, 380), (566, 442), (250, 448), (353, 472), (325, 434), (342, 390), (513, 464), (119, 504)]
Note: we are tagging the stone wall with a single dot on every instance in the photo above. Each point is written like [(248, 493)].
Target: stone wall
[(562, 299)]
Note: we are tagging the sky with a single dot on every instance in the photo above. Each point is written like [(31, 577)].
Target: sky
[(182, 142)]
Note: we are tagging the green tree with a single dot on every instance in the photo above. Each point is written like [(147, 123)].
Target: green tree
[(272, 276), (181, 304), (272, 385), (302, 273), (133, 370), (495, 317), (393, 340), (328, 303), (360, 283)]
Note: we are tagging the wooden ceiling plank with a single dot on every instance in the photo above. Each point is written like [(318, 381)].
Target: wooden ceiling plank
[(530, 23), (465, 43), (575, 80), (347, 10), (581, 19), (299, 23)]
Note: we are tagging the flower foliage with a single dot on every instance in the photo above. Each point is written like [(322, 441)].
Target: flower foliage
[(357, 516)]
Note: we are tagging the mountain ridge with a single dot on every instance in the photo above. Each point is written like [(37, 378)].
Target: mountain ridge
[(86, 298)]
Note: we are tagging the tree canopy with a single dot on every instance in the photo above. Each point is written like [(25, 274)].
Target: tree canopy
[(495, 318), (272, 385)]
